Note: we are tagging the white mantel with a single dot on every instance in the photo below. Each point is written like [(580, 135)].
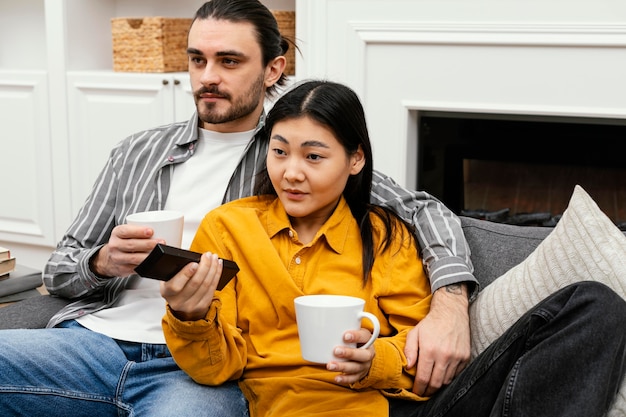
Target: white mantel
[(554, 58)]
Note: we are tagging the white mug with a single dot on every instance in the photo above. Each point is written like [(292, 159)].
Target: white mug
[(323, 319), (167, 224)]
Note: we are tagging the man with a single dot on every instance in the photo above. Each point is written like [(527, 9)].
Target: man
[(105, 352)]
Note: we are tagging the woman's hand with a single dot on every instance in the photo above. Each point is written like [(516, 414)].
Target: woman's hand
[(358, 361), (190, 292)]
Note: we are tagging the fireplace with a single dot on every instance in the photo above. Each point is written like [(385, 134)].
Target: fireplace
[(525, 166)]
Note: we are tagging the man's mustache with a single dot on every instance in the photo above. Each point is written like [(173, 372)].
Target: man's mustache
[(211, 90)]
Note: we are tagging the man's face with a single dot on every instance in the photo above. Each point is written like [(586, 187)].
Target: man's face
[(227, 74)]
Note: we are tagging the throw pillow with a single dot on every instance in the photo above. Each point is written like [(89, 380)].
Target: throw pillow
[(584, 240)]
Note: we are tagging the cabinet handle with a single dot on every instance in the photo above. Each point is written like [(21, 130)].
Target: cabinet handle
[(176, 82), (165, 82)]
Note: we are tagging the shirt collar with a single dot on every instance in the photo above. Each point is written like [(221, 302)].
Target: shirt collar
[(190, 133), (335, 230)]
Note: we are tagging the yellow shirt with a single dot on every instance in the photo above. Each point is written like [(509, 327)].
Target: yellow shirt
[(250, 332)]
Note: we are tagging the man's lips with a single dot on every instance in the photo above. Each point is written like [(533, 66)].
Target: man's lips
[(211, 97)]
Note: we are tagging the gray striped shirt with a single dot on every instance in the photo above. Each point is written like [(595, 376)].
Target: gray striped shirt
[(137, 177)]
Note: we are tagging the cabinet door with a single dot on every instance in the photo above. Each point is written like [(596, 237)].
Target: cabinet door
[(104, 108), (184, 104), (26, 199)]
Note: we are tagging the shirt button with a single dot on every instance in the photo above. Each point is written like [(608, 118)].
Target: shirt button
[(170, 158), (298, 261), (291, 233)]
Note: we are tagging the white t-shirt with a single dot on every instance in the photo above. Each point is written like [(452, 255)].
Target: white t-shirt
[(198, 186)]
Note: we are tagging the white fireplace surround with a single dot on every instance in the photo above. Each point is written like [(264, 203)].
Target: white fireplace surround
[(536, 58)]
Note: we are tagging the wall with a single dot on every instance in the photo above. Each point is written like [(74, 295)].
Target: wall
[(519, 57)]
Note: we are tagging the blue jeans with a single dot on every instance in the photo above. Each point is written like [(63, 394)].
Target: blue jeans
[(565, 357), (72, 371)]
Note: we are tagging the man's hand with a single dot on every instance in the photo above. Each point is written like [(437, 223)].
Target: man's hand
[(128, 246), (440, 343)]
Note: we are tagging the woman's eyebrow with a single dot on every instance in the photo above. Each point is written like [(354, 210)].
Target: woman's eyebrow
[(314, 143), (308, 143), (279, 138)]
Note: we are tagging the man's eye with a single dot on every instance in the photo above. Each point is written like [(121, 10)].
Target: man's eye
[(196, 60), (229, 62)]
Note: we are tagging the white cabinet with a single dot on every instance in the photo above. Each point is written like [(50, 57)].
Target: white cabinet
[(62, 108), (104, 108), (25, 167)]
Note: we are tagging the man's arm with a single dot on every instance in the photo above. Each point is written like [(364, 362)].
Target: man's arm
[(443, 247), (440, 343), (67, 272), (129, 182)]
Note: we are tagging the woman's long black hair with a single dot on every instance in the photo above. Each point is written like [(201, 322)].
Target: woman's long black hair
[(338, 107)]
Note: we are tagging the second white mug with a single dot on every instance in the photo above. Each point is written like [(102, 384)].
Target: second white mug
[(167, 224), (323, 319)]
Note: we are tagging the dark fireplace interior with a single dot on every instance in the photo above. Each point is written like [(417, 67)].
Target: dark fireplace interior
[(521, 169)]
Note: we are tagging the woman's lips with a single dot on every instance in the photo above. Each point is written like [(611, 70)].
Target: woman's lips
[(295, 194)]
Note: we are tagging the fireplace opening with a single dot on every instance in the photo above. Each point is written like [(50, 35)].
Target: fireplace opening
[(521, 169)]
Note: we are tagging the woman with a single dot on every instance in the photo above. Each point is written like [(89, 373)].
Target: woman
[(310, 229)]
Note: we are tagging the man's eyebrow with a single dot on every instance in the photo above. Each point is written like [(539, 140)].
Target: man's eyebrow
[(230, 53), (194, 51)]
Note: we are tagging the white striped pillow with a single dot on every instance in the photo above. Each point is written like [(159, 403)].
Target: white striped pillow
[(585, 245)]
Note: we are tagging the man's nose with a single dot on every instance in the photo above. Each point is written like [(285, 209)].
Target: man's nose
[(210, 75)]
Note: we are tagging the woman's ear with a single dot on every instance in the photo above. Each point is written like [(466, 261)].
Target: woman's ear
[(357, 160)]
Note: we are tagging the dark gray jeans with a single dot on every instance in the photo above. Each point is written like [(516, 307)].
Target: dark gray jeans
[(565, 357)]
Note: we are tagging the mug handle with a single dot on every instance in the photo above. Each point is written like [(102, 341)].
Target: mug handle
[(375, 323)]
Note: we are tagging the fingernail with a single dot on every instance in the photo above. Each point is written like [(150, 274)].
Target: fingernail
[(339, 351), (332, 366), (348, 337)]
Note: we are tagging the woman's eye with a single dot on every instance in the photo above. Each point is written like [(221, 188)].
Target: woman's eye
[(315, 157), (279, 151)]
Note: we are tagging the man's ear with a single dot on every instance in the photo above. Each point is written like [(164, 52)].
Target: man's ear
[(274, 70), (357, 160)]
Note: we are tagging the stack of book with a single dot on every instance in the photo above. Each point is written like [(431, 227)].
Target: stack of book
[(17, 282), (7, 263)]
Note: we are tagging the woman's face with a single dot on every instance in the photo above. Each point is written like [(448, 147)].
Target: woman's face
[(309, 168)]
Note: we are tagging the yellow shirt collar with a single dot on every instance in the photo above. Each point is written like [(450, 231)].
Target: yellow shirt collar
[(335, 230)]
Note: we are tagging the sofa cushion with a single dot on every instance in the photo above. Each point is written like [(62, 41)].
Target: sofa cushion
[(31, 313), (584, 245)]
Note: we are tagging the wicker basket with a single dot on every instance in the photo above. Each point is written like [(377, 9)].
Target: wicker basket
[(150, 44), (287, 27)]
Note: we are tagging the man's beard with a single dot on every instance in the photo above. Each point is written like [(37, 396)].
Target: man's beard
[(242, 107)]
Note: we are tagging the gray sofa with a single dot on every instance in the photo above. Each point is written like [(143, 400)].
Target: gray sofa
[(495, 249)]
